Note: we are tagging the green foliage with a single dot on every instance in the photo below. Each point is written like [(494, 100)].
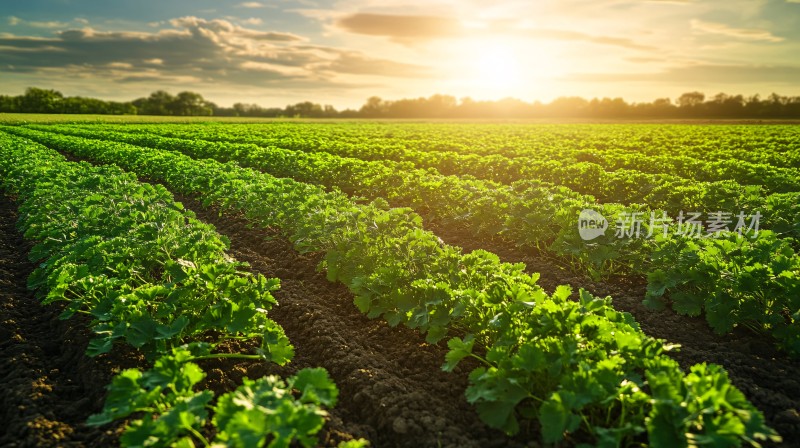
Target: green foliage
[(577, 365), (169, 412), (266, 409), (733, 280), (148, 273), (701, 409)]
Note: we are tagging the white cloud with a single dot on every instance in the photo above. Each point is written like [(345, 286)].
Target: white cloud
[(251, 5), (722, 29), (208, 52), (14, 21)]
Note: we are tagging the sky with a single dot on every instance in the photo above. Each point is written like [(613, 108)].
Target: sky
[(341, 52)]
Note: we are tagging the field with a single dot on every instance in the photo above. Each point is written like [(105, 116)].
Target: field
[(455, 284)]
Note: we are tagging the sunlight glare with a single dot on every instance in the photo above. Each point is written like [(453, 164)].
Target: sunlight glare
[(490, 68), (496, 67)]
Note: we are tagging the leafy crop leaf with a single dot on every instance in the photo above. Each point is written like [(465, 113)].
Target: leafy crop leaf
[(459, 349), (556, 419), (686, 303), (316, 387), (275, 346)]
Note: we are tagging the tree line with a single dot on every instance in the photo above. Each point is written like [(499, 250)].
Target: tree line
[(688, 105)]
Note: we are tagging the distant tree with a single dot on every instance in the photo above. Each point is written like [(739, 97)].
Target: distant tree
[(608, 108), (188, 104), (306, 109), (442, 105), (724, 105), (572, 106), (663, 107), (42, 101), (690, 99), (124, 108), (329, 111), (247, 110), (777, 100), (9, 103), (659, 108), (374, 107), (158, 103)]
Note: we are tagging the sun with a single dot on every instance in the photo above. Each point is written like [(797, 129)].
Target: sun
[(487, 68), (496, 67)]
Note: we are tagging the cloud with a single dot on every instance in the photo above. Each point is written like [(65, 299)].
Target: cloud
[(253, 21), (578, 36), (401, 27), (14, 21), (409, 29), (698, 74), (193, 50), (122, 65), (251, 5), (643, 59), (721, 29), (351, 62), (224, 30)]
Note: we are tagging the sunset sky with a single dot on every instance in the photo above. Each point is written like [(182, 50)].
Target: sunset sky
[(341, 52)]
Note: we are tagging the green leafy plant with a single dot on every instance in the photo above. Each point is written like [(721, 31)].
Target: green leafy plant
[(540, 350), (150, 274), (170, 412), (733, 280)]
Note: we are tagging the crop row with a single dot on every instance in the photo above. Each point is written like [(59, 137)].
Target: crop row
[(485, 207), (674, 195), (149, 274), (597, 171), (571, 364), (773, 145), (759, 288)]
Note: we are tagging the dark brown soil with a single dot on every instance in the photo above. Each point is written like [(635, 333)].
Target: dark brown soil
[(49, 386), (767, 376)]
